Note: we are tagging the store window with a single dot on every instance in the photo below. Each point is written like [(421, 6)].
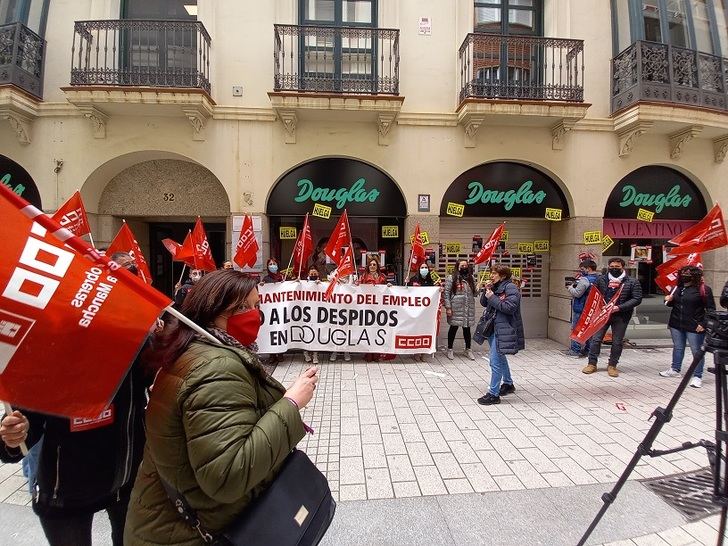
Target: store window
[(692, 24), (32, 13), (520, 17)]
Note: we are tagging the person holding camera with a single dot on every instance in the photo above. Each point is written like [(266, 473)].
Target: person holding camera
[(579, 290), (689, 302), (630, 298)]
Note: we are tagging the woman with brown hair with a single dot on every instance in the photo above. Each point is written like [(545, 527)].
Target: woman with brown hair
[(374, 275), (460, 306), (218, 426)]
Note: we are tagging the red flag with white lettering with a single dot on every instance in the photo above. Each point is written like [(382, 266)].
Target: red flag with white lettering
[(708, 234), (246, 251), (202, 254), (667, 272), (126, 242), (71, 321), (346, 267), (72, 216), (418, 249), (173, 247), (340, 238), (594, 316), (185, 252), (303, 248), (490, 245)]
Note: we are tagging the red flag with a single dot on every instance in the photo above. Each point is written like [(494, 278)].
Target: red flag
[(126, 242), (486, 252), (667, 273), (304, 246), (71, 321), (186, 251), (72, 216), (173, 247), (202, 256), (708, 234), (246, 251), (346, 267), (340, 238), (595, 315), (418, 249)]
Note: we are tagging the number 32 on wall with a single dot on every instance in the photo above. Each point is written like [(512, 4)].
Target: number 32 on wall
[(168, 197)]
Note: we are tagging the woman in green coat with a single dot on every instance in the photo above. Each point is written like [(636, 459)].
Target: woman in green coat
[(218, 426)]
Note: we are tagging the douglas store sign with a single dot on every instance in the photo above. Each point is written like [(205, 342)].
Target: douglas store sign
[(503, 189), (339, 183), (19, 181)]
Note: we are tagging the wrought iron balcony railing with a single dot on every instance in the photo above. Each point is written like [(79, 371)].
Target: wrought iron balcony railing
[(141, 53), (493, 66), (21, 58), (323, 59), (654, 72)]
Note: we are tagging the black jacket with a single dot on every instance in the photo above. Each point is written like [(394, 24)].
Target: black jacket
[(417, 280), (689, 307), (83, 467), (630, 297), (181, 294), (724, 296)]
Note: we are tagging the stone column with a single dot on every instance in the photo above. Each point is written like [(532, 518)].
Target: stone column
[(429, 223), (104, 228), (567, 242)]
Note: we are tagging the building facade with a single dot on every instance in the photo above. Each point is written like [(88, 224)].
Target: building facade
[(562, 118)]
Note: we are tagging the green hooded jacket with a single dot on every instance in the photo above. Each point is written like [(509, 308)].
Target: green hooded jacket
[(218, 430)]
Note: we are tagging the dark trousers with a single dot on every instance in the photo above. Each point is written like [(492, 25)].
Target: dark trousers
[(451, 336), (619, 323), (76, 530)]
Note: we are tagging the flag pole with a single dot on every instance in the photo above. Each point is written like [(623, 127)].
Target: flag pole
[(8, 411), (302, 234), (92, 240), (292, 253), (184, 265), (197, 328)]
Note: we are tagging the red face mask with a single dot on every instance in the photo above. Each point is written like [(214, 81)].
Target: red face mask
[(245, 326)]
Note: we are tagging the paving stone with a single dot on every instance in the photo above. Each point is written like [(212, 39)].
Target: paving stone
[(400, 468), (429, 480)]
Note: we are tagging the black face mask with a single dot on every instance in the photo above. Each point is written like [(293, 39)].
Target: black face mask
[(615, 272), (134, 270), (464, 271), (686, 278), (313, 277)]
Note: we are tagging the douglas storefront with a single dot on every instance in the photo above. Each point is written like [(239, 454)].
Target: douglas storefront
[(19, 181), (326, 187), (646, 208), (529, 201)]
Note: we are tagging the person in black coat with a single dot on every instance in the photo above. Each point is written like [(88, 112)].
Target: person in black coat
[(689, 302), (630, 298), (186, 288), (724, 296), (502, 300)]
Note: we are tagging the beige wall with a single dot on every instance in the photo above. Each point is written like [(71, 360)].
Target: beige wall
[(425, 151)]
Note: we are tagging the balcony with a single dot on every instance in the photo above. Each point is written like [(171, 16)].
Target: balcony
[(319, 69), (21, 59), (140, 67), (527, 80), (669, 90)]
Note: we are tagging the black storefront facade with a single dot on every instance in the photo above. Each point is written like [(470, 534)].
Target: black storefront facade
[(529, 201), (326, 187), (15, 177), (647, 208)]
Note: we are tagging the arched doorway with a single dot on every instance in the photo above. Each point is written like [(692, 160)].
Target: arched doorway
[(645, 209), (19, 181), (522, 196), (160, 199), (373, 201)]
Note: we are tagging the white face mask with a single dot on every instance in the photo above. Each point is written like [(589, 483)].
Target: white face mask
[(424, 271)]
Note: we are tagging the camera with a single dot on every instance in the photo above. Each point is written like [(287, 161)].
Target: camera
[(716, 331), (569, 281)]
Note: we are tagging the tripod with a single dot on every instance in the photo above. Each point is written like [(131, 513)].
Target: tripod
[(662, 416)]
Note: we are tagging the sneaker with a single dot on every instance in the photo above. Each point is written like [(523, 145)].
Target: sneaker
[(333, 356), (670, 373), (589, 368), (450, 354), (469, 354), (488, 400), (506, 388), (315, 358), (347, 357), (696, 382), (306, 356), (612, 371)]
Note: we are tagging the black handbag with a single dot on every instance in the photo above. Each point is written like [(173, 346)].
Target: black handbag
[(485, 327), (296, 509)]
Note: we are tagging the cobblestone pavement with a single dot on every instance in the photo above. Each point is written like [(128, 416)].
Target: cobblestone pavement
[(403, 428)]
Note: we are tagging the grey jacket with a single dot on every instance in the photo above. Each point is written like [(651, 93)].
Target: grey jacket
[(506, 301), (462, 304)]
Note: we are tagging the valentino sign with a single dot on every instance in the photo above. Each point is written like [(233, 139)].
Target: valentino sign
[(504, 189)]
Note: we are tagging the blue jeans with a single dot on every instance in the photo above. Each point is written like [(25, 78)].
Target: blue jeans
[(499, 370), (575, 347), (679, 339)]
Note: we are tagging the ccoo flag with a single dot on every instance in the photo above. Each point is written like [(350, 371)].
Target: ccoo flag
[(126, 242), (708, 234), (490, 245), (246, 251), (340, 238), (595, 315), (71, 321), (72, 216), (346, 267), (202, 255), (418, 249)]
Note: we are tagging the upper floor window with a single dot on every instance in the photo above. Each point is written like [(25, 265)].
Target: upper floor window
[(692, 24), (32, 13), (185, 10), (338, 12), (508, 16)]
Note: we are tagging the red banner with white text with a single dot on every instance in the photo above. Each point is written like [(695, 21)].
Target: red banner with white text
[(595, 315)]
